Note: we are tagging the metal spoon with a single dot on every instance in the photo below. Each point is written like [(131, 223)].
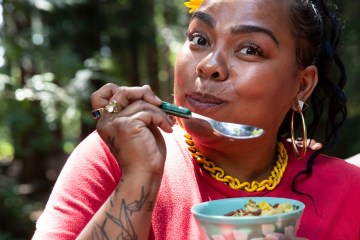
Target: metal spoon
[(230, 130)]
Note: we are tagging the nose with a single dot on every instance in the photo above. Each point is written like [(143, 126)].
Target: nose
[(213, 67)]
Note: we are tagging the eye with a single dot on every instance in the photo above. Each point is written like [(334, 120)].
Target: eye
[(197, 39), (250, 49)]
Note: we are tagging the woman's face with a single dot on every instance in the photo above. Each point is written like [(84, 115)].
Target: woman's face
[(238, 64)]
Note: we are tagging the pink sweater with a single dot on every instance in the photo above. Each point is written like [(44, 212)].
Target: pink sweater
[(91, 174)]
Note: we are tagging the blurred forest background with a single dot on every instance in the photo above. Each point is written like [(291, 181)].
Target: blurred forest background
[(55, 53)]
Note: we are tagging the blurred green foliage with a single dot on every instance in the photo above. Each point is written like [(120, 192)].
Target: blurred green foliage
[(349, 143), (55, 53), (15, 220)]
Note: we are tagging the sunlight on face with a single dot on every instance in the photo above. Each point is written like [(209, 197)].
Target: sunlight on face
[(238, 63)]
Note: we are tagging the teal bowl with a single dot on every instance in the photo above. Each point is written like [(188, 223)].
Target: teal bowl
[(214, 225)]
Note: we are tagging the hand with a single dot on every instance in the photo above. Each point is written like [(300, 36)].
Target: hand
[(311, 143), (132, 133), (314, 145), (289, 234), (279, 236)]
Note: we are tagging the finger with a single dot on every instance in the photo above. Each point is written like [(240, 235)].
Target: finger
[(160, 119), (314, 145), (160, 140), (127, 95), (280, 236), (151, 119), (271, 237), (311, 143), (145, 112), (100, 98)]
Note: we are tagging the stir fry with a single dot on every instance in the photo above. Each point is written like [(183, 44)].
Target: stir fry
[(253, 208)]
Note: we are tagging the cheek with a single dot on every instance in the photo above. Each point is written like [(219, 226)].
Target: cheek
[(185, 73), (265, 92), (267, 83)]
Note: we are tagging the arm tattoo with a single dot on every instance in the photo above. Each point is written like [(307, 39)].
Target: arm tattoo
[(123, 221), (111, 197)]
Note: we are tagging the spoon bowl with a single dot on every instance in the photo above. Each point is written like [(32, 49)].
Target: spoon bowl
[(230, 130)]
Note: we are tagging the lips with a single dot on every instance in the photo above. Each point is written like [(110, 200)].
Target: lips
[(203, 102)]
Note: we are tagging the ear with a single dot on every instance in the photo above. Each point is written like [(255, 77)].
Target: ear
[(308, 78)]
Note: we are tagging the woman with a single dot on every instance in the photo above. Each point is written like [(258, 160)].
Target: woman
[(252, 62)]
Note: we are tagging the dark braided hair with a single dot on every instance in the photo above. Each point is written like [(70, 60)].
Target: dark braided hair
[(317, 30)]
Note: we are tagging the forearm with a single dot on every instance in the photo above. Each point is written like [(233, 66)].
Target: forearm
[(127, 213)]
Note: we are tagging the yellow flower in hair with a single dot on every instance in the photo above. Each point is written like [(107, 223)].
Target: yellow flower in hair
[(193, 5)]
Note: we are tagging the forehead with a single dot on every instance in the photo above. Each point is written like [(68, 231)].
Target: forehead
[(269, 14)]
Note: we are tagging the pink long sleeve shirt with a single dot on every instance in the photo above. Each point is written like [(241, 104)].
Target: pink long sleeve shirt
[(91, 174)]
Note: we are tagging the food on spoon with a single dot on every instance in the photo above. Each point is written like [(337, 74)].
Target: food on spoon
[(252, 208), (257, 132)]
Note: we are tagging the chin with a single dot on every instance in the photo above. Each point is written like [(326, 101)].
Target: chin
[(198, 128)]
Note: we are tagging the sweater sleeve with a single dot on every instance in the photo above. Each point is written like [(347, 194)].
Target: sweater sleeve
[(87, 179)]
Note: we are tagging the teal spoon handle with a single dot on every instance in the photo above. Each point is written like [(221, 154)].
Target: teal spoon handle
[(175, 110)]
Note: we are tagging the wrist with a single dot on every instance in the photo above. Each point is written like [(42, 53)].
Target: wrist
[(139, 179)]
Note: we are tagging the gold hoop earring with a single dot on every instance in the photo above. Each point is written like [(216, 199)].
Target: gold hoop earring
[(304, 140)]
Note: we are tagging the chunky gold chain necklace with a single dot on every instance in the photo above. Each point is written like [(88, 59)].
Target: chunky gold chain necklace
[(219, 174)]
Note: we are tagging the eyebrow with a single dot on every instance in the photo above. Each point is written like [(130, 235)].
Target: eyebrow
[(207, 18), (210, 21), (252, 28)]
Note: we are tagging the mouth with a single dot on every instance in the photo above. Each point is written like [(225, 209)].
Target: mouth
[(202, 102)]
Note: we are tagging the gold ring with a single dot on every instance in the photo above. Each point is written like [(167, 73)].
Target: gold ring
[(97, 113), (112, 107)]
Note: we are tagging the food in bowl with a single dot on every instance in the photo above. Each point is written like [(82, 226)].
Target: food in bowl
[(213, 224), (253, 208)]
